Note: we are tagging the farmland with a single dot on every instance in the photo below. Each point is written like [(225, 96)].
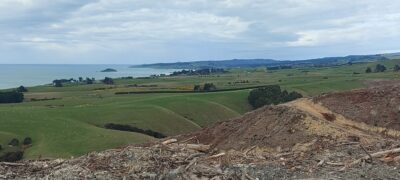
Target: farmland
[(69, 121)]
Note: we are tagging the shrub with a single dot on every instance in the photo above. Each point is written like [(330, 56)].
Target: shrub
[(206, 87), (270, 95), (27, 141), (197, 88), (14, 142), (90, 80), (108, 80), (368, 70), (12, 156), (209, 87), (380, 68), (396, 68), (292, 96)]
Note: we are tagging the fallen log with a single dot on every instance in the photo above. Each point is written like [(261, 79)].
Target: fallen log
[(374, 155), (320, 163), (366, 152), (198, 147), (194, 156), (216, 156), (249, 177), (248, 150), (334, 164), (191, 164), (169, 141), (11, 164)]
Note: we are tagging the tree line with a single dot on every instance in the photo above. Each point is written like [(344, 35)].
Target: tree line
[(123, 127), (11, 97), (207, 71), (381, 68), (271, 94), (61, 82), (14, 96)]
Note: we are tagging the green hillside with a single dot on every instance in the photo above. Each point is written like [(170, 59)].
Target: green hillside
[(72, 124)]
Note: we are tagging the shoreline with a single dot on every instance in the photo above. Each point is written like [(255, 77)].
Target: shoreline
[(44, 74)]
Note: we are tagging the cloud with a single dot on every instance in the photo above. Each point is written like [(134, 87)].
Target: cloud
[(94, 30)]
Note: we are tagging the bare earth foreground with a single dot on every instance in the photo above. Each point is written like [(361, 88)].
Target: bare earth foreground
[(350, 135)]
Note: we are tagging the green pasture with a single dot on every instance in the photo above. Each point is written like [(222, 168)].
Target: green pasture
[(72, 124)]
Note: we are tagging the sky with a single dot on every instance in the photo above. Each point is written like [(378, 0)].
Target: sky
[(150, 31)]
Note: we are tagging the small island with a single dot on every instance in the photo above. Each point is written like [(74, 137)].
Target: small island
[(109, 70)]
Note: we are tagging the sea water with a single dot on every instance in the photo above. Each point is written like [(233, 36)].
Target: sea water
[(14, 75)]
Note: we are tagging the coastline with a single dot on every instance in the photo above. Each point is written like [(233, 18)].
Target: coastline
[(15, 75)]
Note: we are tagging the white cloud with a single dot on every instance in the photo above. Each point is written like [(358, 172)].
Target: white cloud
[(159, 24), (189, 29), (361, 28)]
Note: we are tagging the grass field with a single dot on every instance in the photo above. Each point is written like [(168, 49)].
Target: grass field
[(73, 124)]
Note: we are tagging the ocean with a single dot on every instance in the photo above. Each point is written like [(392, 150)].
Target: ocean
[(14, 75)]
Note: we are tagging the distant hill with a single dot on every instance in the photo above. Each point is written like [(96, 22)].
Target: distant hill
[(244, 63)]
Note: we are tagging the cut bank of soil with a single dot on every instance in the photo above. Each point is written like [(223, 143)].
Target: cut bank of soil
[(378, 105), (270, 126)]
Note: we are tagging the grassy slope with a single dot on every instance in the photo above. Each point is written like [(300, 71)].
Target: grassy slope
[(74, 129), (71, 125)]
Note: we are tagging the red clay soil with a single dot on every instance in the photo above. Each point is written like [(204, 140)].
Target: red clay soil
[(378, 105), (271, 126)]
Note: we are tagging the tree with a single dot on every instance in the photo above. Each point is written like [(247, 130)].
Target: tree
[(270, 95), (197, 88), (27, 141), (292, 96), (12, 156), (57, 83), (108, 80), (380, 68), (11, 97), (89, 81), (80, 79), (396, 68), (209, 87), (22, 89), (368, 70), (14, 142)]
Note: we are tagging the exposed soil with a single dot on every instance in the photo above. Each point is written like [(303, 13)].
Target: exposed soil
[(378, 105), (331, 139), (270, 126)]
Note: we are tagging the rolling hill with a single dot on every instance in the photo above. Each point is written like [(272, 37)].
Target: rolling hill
[(249, 63)]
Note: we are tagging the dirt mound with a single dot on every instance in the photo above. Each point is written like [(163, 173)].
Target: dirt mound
[(378, 105), (287, 126), (271, 126)]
